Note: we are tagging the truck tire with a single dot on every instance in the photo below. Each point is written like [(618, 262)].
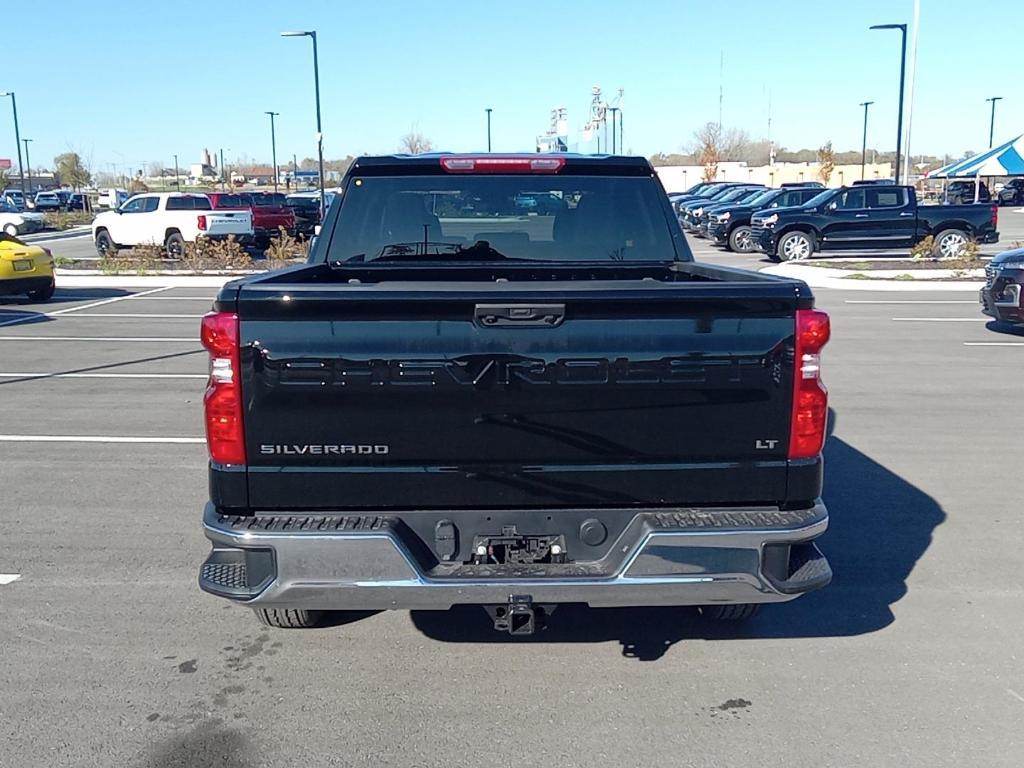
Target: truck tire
[(737, 612), (949, 243), (795, 246), (105, 245), (739, 240), (43, 294), (288, 618), (174, 245)]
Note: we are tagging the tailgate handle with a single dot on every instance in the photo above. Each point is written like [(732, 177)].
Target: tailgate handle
[(519, 315)]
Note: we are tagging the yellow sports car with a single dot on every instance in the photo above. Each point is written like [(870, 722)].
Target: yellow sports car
[(25, 269)]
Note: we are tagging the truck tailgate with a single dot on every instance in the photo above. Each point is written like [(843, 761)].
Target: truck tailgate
[(617, 394), (228, 223)]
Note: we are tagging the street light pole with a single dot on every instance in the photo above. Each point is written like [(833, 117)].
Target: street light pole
[(622, 142), (613, 110), (222, 169), (28, 164), (17, 137), (991, 124), (488, 111), (177, 180), (864, 140), (319, 129), (273, 145), (903, 72)]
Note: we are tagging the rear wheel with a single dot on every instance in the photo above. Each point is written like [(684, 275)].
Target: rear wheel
[(43, 294), (949, 243), (174, 245), (795, 246), (737, 612), (739, 240), (288, 618), (105, 244)]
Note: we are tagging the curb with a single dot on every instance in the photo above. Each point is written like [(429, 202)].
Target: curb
[(824, 277)]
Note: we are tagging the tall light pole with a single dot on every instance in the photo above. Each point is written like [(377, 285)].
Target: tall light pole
[(903, 74), (991, 122), (613, 110), (17, 137), (864, 140), (273, 145), (28, 163), (622, 142), (311, 34), (488, 111), (222, 169), (177, 181)]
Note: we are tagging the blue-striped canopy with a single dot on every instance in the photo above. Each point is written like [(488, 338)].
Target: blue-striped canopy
[(1005, 160)]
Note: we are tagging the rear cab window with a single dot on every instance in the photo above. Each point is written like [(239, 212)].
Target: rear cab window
[(536, 217)]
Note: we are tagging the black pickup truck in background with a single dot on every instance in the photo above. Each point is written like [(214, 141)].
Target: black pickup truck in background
[(869, 216), (452, 403), (729, 224)]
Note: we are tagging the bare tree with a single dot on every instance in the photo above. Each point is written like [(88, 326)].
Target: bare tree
[(733, 144), (827, 159), (415, 143), (708, 148)]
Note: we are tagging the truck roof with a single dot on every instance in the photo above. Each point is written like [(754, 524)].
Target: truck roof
[(431, 164)]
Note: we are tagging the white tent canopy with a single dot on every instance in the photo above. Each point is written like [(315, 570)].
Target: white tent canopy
[(1005, 160)]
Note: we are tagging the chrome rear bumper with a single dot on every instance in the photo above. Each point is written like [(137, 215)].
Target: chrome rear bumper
[(682, 557)]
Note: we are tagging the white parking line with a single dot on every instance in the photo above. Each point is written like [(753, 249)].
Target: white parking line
[(941, 319), (8, 578), (994, 343), (125, 315), (98, 439), (99, 338), (1015, 694), (67, 310), (104, 375), (71, 297), (914, 301)]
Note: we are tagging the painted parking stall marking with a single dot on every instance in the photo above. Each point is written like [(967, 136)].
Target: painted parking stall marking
[(8, 578), (100, 439)]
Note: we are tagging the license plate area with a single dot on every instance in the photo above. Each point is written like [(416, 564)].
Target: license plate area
[(23, 265), (512, 548)]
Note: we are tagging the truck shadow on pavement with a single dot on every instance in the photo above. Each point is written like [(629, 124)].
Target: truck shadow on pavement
[(880, 526), (1007, 329)]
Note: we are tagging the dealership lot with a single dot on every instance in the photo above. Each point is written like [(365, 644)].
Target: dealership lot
[(112, 655)]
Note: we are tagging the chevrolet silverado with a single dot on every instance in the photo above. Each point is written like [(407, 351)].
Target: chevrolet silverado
[(864, 217), (453, 403)]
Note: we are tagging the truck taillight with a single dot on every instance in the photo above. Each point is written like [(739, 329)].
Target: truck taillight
[(502, 164), (222, 401), (201, 221), (810, 398), (995, 215)]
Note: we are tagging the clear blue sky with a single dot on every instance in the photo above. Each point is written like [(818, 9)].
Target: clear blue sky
[(126, 82)]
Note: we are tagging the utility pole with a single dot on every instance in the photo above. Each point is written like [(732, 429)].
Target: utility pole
[(903, 71), (28, 164), (273, 146), (319, 129), (991, 123), (177, 180), (17, 137), (613, 110), (222, 177), (912, 78), (488, 111), (622, 142), (864, 141)]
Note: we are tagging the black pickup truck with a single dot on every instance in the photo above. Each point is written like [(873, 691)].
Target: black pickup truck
[(865, 217), (453, 403)]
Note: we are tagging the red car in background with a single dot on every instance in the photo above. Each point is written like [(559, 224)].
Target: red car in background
[(269, 212)]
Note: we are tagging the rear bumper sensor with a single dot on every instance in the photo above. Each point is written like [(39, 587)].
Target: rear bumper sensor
[(369, 562)]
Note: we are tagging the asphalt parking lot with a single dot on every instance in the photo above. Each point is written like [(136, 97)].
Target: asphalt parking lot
[(113, 657)]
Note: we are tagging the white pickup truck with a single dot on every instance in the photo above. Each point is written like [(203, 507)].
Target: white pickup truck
[(170, 219)]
